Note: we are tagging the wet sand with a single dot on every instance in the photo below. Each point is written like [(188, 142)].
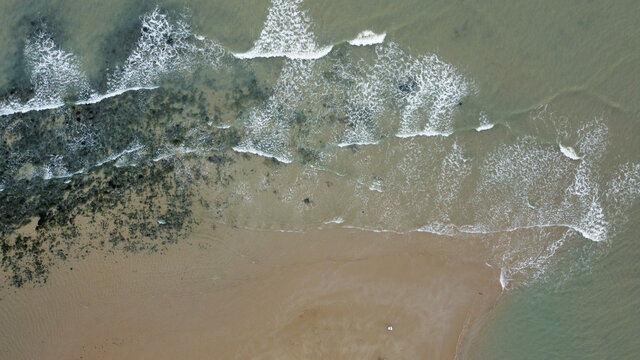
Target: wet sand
[(238, 294)]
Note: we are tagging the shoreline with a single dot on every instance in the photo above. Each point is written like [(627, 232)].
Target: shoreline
[(231, 293)]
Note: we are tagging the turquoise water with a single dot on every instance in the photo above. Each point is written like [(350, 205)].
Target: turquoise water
[(513, 124)]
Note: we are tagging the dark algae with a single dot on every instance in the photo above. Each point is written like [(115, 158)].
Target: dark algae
[(114, 183), (124, 174)]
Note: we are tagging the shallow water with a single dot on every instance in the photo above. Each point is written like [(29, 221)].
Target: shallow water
[(512, 124)]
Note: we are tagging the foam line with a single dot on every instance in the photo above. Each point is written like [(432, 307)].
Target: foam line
[(115, 157), (23, 109), (96, 98), (361, 143), (368, 37), (300, 55), (245, 149), (337, 220), (485, 127), (426, 132)]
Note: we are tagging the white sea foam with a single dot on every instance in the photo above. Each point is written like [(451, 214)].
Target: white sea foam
[(267, 127), (569, 152), (455, 167), (368, 37), (376, 185), (364, 101), (356, 142), (584, 192), (55, 169), (55, 74), (522, 253), (286, 159), (592, 141), (430, 89), (429, 109), (114, 157), (286, 33), (527, 255), (174, 151), (164, 47), (12, 106), (625, 185), (422, 91), (96, 98), (484, 123), (337, 220), (503, 280), (485, 127), (301, 55), (529, 185), (439, 228)]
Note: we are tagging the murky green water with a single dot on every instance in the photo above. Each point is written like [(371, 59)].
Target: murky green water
[(515, 123), (586, 311)]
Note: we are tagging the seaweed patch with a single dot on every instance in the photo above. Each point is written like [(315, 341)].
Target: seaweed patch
[(106, 176)]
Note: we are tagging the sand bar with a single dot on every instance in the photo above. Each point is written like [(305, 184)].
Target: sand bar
[(238, 294)]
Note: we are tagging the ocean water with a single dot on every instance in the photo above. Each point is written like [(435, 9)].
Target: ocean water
[(513, 124)]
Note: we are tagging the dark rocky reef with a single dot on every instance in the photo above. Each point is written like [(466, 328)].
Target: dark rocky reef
[(141, 204)]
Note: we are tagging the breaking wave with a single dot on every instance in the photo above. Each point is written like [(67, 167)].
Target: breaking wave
[(484, 123), (367, 38)]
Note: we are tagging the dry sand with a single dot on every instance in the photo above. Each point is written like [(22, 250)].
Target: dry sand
[(238, 294)]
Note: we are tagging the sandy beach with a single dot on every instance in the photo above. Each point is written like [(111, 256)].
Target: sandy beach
[(239, 294)]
